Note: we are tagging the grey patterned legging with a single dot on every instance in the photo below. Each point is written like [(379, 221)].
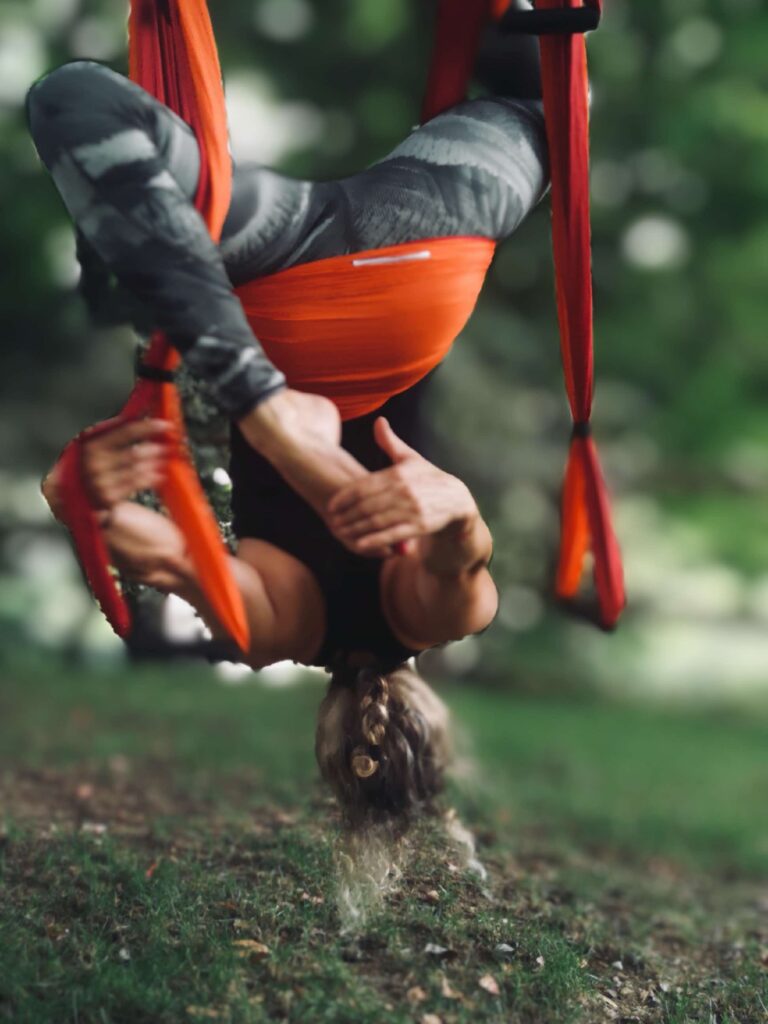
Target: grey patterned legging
[(126, 167)]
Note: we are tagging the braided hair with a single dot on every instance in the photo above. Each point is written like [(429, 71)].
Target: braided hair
[(382, 744)]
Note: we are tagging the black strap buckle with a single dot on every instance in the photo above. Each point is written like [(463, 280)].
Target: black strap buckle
[(553, 21), (147, 372), (582, 428)]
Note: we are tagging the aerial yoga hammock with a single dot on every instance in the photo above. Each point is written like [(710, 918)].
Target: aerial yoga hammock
[(585, 511), (173, 56)]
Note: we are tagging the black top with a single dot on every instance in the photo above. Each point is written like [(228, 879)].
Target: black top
[(264, 506)]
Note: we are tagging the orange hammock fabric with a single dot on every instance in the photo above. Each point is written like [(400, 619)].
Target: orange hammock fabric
[(364, 327), (173, 55), (586, 514)]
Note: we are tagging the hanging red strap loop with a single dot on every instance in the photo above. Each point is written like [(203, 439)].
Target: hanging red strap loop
[(586, 517), (566, 103), (173, 55), (457, 37)]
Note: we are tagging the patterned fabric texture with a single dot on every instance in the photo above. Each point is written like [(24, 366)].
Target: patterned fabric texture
[(126, 167)]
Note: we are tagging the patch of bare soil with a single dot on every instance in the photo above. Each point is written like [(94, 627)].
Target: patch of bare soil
[(128, 801)]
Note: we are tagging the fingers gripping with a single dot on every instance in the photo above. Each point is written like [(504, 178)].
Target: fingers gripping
[(128, 457)]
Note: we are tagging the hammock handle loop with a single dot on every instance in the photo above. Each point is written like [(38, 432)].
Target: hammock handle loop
[(172, 54)]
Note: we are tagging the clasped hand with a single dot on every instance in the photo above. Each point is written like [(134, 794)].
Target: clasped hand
[(410, 499), (369, 513)]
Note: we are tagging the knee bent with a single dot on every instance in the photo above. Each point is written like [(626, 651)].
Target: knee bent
[(62, 104), (66, 86)]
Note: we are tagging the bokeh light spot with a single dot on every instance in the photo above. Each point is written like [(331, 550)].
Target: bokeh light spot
[(656, 243)]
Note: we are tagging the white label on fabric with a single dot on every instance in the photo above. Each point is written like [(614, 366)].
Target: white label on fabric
[(423, 254)]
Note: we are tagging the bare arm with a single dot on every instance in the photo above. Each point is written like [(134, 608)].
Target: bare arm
[(282, 602), (283, 608), (446, 592), (440, 589)]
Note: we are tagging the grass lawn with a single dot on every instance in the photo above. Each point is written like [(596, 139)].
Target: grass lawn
[(167, 857)]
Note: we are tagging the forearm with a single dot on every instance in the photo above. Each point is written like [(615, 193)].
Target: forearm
[(149, 549)]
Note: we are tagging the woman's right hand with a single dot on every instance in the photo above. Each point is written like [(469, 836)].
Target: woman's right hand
[(145, 545), (119, 463), (131, 458), (409, 500)]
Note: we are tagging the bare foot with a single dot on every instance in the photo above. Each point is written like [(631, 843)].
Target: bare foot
[(300, 433)]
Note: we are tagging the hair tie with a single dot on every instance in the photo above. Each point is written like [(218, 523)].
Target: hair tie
[(363, 765)]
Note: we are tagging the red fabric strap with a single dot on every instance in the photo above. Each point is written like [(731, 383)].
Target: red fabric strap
[(172, 54), (586, 516), (457, 36)]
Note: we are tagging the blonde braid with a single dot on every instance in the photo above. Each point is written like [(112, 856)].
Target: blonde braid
[(375, 708), (374, 711)]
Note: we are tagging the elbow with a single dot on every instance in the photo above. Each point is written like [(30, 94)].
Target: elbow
[(481, 606), (486, 605)]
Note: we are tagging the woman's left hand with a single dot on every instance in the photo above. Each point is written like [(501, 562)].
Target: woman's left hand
[(410, 499)]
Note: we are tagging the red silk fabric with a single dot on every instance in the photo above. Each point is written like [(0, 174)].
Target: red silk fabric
[(586, 516), (173, 55), (566, 103), (364, 327), (457, 37)]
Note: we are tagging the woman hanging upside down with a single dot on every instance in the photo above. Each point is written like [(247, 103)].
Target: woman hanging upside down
[(318, 588)]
